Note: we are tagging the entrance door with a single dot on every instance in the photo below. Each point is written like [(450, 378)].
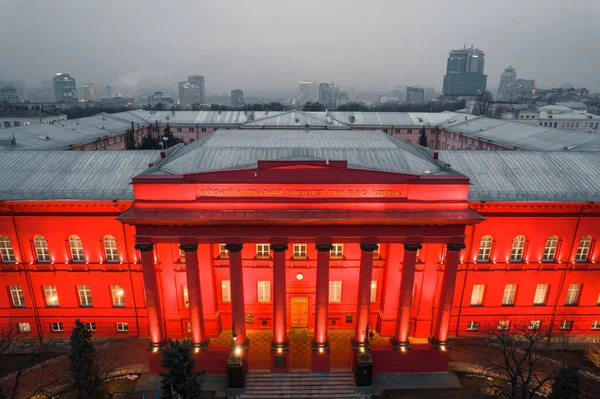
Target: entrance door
[(299, 311)]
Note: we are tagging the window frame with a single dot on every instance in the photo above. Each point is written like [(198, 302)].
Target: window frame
[(87, 295), (41, 249), (16, 292), (480, 288), (117, 296), (484, 253), (299, 251), (59, 326), (263, 251), (517, 250), (122, 326), (595, 325), (76, 249), (181, 255), (503, 325), (472, 325), (551, 251), (337, 251), (7, 252), (335, 290), (91, 325), (223, 252), (111, 253), (377, 252), (185, 296), (509, 294), (50, 292), (373, 292), (535, 324), (569, 300), (566, 325), (24, 327), (538, 289), (581, 248), (263, 291), (226, 289)]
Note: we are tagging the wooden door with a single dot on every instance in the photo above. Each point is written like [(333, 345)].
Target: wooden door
[(299, 311)]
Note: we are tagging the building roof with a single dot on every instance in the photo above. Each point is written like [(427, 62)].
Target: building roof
[(240, 149), (214, 118), (523, 136), (296, 119), (28, 113), (71, 175), (528, 175)]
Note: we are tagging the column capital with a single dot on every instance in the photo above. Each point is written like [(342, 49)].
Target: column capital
[(144, 247), (324, 247), (412, 247), (189, 247), (455, 247), (368, 247), (233, 247), (279, 247)]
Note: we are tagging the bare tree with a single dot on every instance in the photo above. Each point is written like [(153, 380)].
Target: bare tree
[(483, 104), (593, 355), (517, 359)]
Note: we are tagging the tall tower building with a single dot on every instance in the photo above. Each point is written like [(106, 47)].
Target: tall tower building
[(108, 91), (464, 73), (65, 88), (237, 98), (306, 92), (192, 91), (89, 92), (508, 77)]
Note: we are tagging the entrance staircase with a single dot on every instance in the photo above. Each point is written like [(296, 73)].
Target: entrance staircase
[(300, 386)]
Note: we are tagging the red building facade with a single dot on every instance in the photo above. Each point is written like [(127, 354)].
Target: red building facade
[(211, 243)]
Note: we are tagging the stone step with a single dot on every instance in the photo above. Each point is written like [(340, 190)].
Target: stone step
[(260, 385), (302, 396)]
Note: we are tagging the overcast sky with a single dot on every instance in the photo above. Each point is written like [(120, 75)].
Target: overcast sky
[(272, 44)]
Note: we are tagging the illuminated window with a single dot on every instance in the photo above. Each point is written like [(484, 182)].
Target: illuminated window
[(90, 325), (335, 291), (472, 325), (24, 327), (573, 294), (596, 325), (181, 255), (51, 295), (376, 253), (541, 292), (566, 325), (110, 249), (262, 251), (76, 247), (503, 325), (118, 295), (550, 248), (337, 252), (374, 291), (57, 327), (485, 249), (122, 327), (516, 253), (534, 324), (186, 297), (225, 291), (41, 249), (264, 291), (223, 252), (583, 249), (477, 295), (299, 251), (6, 250), (85, 295), (17, 296), (509, 294)]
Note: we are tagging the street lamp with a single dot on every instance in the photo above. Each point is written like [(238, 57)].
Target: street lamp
[(369, 335)]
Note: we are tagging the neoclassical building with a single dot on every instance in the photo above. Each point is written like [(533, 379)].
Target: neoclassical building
[(318, 231)]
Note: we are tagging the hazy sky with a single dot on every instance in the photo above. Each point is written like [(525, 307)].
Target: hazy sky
[(272, 44)]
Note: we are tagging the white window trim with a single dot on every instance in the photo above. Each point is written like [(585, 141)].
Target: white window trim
[(550, 249), (509, 294), (518, 249), (535, 324), (299, 251), (472, 325), (541, 294), (91, 325), (477, 295), (76, 249), (118, 296), (17, 296), (85, 296), (377, 252), (337, 252), (566, 325), (51, 295), (7, 254), (485, 249), (573, 292), (263, 291), (504, 325), (583, 249), (223, 252), (122, 327), (263, 251), (42, 252), (111, 251), (24, 327), (226, 290), (186, 297), (596, 325), (373, 291), (57, 327), (335, 291)]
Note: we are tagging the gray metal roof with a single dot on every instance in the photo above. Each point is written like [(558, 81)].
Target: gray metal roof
[(295, 119), (193, 117), (237, 149), (528, 175), (71, 175)]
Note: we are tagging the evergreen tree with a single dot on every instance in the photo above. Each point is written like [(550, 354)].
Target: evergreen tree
[(310, 106), (566, 384), (149, 142), (82, 359), (171, 139), (179, 376), (129, 140), (422, 138)]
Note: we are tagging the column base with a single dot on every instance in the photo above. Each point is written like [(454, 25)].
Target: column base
[(399, 346), (360, 346), (201, 346), (319, 360), (320, 347), (280, 357), (437, 344), (155, 347), (282, 347)]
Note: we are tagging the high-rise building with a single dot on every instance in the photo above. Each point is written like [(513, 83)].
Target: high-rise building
[(464, 73), (306, 92), (507, 78), (192, 91), (237, 98), (108, 91), (19, 86), (415, 95), (89, 92), (9, 95), (513, 89), (328, 93), (65, 88)]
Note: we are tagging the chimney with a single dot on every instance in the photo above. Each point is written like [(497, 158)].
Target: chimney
[(307, 128), (163, 154), (435, 155)]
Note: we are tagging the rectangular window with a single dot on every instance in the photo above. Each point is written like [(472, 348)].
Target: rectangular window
[(573, 294), (178, 130), (6, 250), (225, 291), (57, 327), (335, 291), (541, 292), (566, 325), (299, 251), (503, 325), (509, 294), (24, 327), (17, 296), (376, 253), (374, 291), (6, 123), (191, 130), (472, 325), (262, 251), (122, 327), (337, 252), (188, 327), (264, 291), (186, 297), (17, 123), (203, 130), (118, 295), (534, 324), (223, 252), (90, 325), (477, 295), (596, 325), (51, 295), (85, 295)]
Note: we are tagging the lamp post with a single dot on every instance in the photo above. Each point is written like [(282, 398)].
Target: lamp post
[(369, 335)]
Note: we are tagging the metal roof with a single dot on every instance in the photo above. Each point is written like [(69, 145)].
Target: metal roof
[(71, 175), (522, 136), (528, 175), (238, 149), (193, 117), (296, 119)]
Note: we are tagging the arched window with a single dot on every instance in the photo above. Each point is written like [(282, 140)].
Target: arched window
[(518, 246), (76, 247), (550, 248), (6, 250), (583, 249), (485, 249), (41, 249), (110, 249)]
